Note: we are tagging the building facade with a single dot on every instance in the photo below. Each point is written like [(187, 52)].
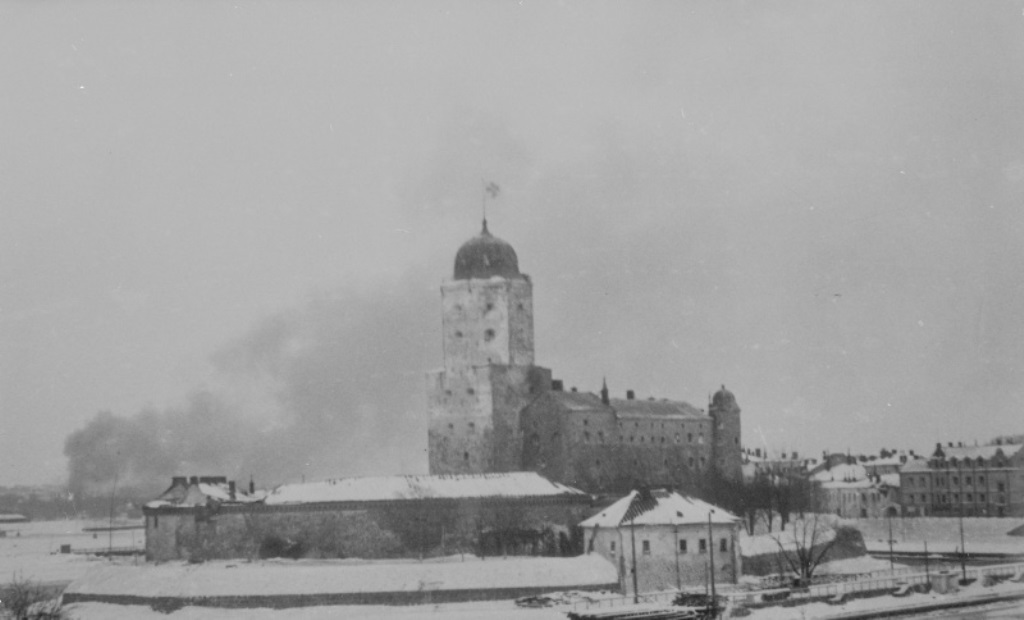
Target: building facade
[(982, 481), (492, 409), (671, 537)]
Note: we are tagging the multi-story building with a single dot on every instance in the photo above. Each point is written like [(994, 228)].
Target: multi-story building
[(850, 492), (491, 409), (984, 481)]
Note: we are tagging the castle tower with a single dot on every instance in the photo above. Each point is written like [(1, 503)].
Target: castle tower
[(488, 374), (726, 444)]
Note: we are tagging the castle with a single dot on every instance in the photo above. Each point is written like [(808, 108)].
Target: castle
[(492, 409)]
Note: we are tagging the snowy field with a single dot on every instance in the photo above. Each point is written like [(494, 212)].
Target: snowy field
[(310, 577), (31, 551), (981, 535)]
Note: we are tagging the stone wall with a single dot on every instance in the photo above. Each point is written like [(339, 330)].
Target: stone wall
[(399, 529)]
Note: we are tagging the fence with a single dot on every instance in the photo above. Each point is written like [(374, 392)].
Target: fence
[(875, 582)]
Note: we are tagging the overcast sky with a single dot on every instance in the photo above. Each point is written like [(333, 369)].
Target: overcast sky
[(820, 205)]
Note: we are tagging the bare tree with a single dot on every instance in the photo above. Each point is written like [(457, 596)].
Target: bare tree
[(805, 546)]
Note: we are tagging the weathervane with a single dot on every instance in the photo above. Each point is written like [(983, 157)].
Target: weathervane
[(489, 188)]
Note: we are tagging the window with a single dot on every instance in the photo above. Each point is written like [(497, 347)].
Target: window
[(981, 479), (981, 497), (470, 391), (956, 480), (586, 422), (465, 456), (489, 335), (472, 426), (586, 436), (967, 480), (600, 436), (702, 545), (647, 547), (682, 546), (689, 437), (156, 521), (910, 481), (970, 498), (723, 545), (458, 334), (613, 547), (1000, 487)]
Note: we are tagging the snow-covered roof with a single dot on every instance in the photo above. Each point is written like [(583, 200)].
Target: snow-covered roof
[(662, 508), (626, 408), (842, 473), (985, 452), (190, 494), (456, 486), (914, 466)]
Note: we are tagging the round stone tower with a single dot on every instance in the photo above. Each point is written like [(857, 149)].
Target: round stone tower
[(726, 448)]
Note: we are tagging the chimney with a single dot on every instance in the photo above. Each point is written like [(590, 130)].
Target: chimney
[(795, 457), (179, 481), (252, 485), (951, 444), (604, 391), (557, 385), (231, 490), (757, 451), (903, 458), (630, 394)]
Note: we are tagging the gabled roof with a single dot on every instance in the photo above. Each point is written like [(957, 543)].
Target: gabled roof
[(662, 508), (462, 486)]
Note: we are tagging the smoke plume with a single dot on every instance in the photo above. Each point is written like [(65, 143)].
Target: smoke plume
[(332, 388)]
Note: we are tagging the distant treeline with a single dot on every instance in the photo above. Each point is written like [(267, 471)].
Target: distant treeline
[(40, 505)]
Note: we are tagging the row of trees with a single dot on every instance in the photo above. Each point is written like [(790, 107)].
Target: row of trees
[(768, 500)]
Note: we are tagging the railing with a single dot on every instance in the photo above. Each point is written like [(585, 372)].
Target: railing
[(875, 581)]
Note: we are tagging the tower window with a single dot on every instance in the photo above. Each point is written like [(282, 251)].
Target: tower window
[(451, 426), (465, 456), (458, 334), (489, 335), (489, 307), (470, 391), (472, 425)]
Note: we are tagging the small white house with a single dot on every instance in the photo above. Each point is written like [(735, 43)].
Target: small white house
[(677, 539)]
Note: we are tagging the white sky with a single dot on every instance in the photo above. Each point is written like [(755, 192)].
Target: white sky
[(817, 204)]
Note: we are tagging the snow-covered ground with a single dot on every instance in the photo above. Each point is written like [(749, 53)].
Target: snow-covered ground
[(297, 577), (31, 551), (981, 535), (492, 610), (879, 603)]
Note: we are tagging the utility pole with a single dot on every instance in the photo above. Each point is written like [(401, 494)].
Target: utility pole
[(711, 559), (927, 575), (963, 565), (891, 566), (679, 583), (632, 545)]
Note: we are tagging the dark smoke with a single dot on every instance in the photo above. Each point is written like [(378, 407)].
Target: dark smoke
[(333, 388)]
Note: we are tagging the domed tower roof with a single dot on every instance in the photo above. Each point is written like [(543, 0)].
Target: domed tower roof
[(723, 398), (485, 256)]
